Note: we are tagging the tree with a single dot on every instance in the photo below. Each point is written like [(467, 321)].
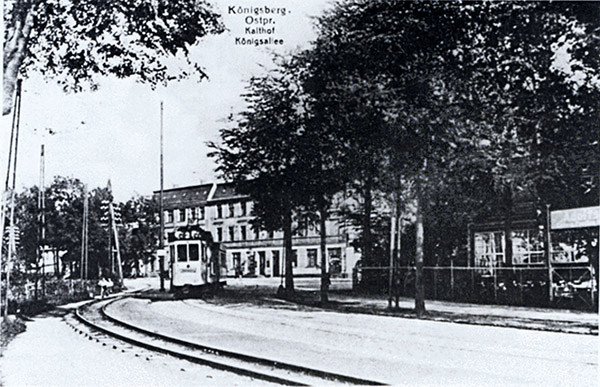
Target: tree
[(76, 41), (139, 232), (444, 78), (260, 152)]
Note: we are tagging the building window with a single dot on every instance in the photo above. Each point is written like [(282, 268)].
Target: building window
[(231, 210), (311, 255), (219, 212), (243, 232), (489, 249), (231, 233), (200, 213), (168, 216), (256, 233), (527, 247), (219, 234), (270, 234), (243, 209), (295, 258), (573, 246)]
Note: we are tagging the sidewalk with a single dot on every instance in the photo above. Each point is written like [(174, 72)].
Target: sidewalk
[(342, 299), (497, 315)]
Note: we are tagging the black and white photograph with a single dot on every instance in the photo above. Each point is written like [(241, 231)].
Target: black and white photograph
[(281, 192)]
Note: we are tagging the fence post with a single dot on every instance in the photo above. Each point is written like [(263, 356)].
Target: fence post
[(435, 282), (521, 285), (472, 281), (452, 279)]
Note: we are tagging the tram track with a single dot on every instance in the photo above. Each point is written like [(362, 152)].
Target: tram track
[(95, 316)]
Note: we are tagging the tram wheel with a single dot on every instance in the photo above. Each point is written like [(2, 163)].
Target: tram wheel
[(186, 290)]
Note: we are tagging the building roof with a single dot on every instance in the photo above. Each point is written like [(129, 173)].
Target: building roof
[(198, 195), (182, 197), (225, 192)]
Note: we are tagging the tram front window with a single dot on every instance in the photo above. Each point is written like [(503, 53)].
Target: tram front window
[(194, 252), (181, 253)]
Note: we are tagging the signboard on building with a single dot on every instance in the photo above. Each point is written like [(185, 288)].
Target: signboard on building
[(575, 218)]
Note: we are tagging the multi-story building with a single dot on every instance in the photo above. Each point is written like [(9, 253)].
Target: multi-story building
[(227, 215)]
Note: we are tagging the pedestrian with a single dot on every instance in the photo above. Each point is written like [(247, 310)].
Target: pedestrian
[(105, 284)]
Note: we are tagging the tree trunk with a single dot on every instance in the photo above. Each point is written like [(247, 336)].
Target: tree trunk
[(367, 245), (14, 54), (323, 233), (419, 286), (287, 241), (56, 262)]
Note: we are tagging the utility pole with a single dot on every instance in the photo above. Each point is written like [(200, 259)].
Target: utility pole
[(41, 223), (11, 243), (43, 214), (84, 235), (393, 222), (161, 242), (549, 253), (114, 229)]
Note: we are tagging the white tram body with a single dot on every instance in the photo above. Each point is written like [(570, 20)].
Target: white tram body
[(195, 259)]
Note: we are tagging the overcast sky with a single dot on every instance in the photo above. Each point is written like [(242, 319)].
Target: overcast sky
[(114, 132)]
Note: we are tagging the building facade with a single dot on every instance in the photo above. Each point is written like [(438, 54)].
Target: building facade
[(227, 215)]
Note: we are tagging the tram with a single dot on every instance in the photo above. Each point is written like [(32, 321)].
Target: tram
[(196, 260)]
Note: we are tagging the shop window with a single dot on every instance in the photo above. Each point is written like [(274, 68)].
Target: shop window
[(311, 254), (489, 248), (527, 247), (335, 260), (237, 264), (574, 246)]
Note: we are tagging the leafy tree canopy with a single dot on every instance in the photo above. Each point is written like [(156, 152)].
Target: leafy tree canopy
[(74, 42)]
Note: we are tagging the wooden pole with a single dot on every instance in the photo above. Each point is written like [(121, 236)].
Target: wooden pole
[(11, 243), (393, 218), (419, 284), (114, 229), (161, 236), (549, 253), (82, 260)]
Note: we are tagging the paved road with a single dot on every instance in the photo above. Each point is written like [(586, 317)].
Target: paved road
[(388, 349)]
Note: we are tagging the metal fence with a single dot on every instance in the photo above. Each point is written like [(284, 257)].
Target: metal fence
[(572, 287)]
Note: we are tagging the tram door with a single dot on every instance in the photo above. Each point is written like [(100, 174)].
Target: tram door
[(275, 263), (261, 262), (204, 267)]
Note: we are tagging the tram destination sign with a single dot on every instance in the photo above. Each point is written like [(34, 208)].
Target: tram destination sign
[(575, 218), (186, 233)]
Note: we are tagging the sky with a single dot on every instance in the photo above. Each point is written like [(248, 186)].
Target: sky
[(114, 133)]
